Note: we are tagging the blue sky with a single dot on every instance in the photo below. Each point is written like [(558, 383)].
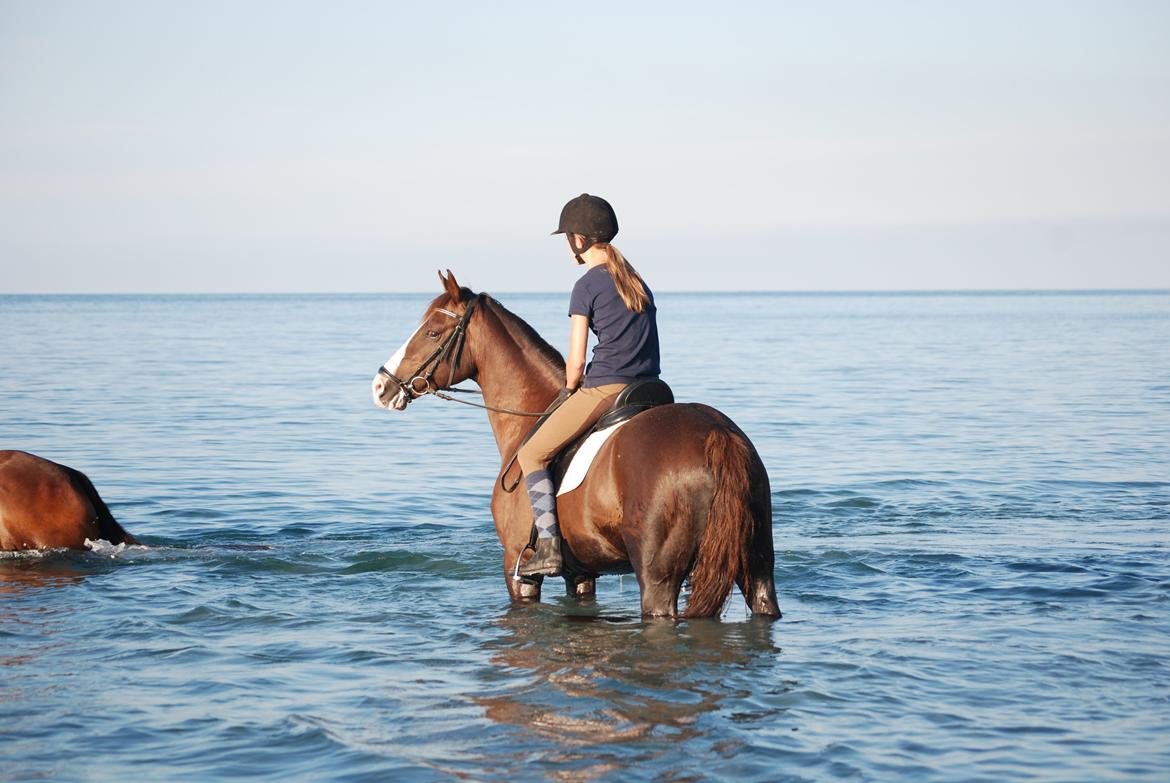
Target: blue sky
[(265, 146)]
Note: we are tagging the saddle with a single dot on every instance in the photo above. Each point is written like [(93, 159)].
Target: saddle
[(639, 396)]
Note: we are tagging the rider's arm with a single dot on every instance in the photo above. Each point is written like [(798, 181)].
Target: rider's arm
[(575, 361)]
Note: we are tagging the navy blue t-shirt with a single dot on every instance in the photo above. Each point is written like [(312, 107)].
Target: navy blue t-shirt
[(627, 342)]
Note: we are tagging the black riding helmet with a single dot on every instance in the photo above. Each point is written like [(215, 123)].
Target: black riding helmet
[(590, 216)]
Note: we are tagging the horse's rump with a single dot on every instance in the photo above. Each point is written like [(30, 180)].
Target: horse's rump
[(673, 486), (45, 505), (108, 528)]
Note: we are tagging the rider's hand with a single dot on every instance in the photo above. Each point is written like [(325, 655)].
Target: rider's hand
[(565, 393)]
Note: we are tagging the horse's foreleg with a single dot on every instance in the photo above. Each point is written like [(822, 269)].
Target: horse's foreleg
[(524, 589), (513, 517), (581, 586)]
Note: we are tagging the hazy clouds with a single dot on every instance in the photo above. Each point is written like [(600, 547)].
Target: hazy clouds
[(356, 146)]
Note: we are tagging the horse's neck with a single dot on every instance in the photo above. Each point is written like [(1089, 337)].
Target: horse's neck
[(513, 371)]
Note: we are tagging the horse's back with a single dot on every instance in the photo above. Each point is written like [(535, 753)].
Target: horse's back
[(26, 479), (45, 505), (672, 437)]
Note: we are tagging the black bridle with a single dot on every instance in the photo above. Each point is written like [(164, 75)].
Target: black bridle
[(422, 380), (451, 348)]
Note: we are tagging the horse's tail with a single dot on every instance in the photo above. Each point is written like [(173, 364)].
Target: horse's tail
[(723, 551), (108, 527)]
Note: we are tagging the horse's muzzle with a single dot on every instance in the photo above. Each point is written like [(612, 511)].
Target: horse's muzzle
[(388, 392)]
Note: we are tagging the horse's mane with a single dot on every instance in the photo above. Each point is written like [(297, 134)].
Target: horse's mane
[(525, 335)]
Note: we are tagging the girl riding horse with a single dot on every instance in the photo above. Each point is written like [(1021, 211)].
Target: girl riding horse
[(676, 493), (612, 301)]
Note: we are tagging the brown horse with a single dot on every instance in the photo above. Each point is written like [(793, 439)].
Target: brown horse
[(44, 505), (678, 491)]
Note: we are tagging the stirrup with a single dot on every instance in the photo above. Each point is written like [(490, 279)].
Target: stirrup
[(551, 559), (516, 571)]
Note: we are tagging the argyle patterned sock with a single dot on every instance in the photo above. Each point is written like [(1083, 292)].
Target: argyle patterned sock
[(544, 503)]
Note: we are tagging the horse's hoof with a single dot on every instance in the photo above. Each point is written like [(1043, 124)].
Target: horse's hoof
[(584, 588), (526, 589)]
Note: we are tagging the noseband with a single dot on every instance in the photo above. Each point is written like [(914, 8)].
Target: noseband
[(422, 379)]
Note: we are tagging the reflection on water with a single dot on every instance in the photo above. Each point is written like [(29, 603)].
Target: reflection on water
[(611, 692), (24, 572), (21, 574)]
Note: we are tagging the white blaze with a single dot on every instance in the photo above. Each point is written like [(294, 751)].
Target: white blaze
[(392, 363)]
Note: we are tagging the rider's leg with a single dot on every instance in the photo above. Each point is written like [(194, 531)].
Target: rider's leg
[(571, 419), (546, 559)]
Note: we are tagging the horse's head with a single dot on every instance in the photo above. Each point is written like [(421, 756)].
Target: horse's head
[(433, 357)]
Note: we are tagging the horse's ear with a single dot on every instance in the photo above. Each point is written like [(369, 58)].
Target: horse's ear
[(451, 284)]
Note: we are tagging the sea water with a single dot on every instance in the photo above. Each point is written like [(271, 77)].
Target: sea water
[(971, 495)]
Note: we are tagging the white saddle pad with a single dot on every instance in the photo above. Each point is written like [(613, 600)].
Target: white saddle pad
[(584, 458)]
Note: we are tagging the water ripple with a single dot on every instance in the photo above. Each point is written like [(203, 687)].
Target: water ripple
[(971, 555)]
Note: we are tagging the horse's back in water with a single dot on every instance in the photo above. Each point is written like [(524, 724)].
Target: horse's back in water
[(44, 505)]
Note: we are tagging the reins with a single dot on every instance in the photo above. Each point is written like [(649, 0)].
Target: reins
[(442, 396), (504, 485)]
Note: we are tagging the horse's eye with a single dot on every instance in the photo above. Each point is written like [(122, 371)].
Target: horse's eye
[(432, 334)]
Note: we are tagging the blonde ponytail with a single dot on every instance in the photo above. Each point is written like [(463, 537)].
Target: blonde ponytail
[(630, 286)]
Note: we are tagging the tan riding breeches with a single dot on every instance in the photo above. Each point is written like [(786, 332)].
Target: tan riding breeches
[(575, 415)]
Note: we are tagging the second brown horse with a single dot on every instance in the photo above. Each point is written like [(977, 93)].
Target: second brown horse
[(44, 505)]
